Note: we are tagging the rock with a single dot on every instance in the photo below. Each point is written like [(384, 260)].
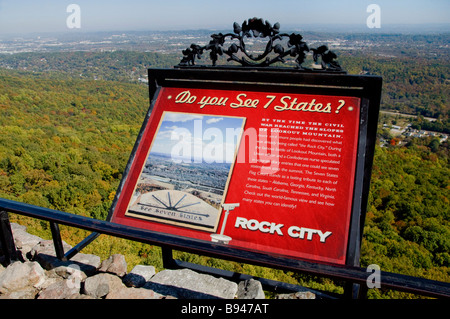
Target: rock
[(133, 293), (115, 264), (23, 240), (25, 293), (138, 276), (71, 272), (47, 247), (44, 253), (100, 285), (18, 276), (88, 263), (185, 283), (50, 280), (61, 289), (16, 227), (297, 295), (250, 289), (47, 277)]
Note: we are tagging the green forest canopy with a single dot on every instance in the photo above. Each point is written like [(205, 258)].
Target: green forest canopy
[(65, 142)]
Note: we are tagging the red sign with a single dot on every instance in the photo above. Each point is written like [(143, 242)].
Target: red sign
[(264, 171)]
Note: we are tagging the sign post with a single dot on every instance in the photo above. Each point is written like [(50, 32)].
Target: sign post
[(221, 238)]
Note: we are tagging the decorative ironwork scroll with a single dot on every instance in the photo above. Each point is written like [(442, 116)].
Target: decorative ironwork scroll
[(276, 46)]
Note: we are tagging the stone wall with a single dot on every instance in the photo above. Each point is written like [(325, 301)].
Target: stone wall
[(40, 275)]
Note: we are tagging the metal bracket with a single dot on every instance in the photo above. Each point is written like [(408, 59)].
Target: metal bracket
[(278, 47)]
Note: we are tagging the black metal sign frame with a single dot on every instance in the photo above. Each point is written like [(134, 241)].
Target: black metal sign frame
[(367, 88)]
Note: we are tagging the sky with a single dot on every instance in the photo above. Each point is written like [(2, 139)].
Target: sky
[(27, 16)]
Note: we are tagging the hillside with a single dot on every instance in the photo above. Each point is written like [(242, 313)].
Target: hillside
[(64, 143), (414, 67), (121, 66), (66, 140)]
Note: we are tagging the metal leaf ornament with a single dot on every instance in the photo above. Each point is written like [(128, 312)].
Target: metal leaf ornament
[(258, 28)]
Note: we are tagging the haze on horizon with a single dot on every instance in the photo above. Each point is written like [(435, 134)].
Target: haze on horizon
[(31, 16)]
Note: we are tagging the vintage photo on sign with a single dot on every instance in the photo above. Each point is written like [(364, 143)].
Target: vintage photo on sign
[(186, 173)]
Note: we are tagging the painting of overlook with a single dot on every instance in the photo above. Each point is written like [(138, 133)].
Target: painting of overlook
[(185, 177)]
